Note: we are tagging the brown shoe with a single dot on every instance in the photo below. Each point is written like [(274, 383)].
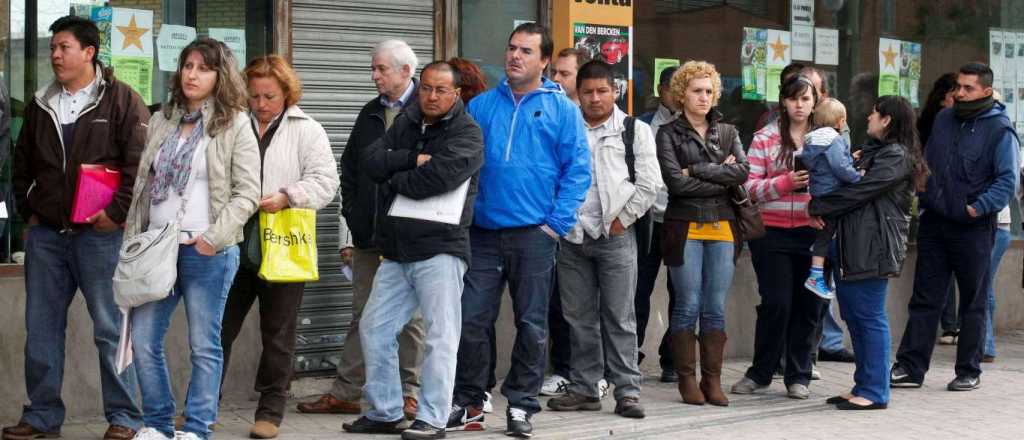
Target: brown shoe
[(118, 432), (24, 431), (328, 404), (712, 355), (410, 408), (683, 346), (179, 423), (263, 429)]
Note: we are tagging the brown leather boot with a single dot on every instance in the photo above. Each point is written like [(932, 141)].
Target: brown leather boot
[(684, 358), (712, 354)]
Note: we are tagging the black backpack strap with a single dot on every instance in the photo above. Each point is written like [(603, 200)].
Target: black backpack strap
[(627, 140)]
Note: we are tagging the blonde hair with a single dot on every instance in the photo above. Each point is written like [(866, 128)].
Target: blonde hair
[(695, 70), (275, 67), (829, 112)]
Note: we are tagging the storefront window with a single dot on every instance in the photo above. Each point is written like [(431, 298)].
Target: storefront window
[(245, 25), (877, 39), (484, 28)]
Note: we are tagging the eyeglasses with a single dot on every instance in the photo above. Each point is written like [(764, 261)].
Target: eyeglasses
[(441, 91)]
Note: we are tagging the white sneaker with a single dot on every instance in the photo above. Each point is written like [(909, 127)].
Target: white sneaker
[(150, 434), (602, 388), (182, 435), (488, 408), (815, 374), (554, 386)]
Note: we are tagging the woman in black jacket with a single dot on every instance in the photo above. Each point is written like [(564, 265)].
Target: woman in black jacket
[(701, 159), (873, 219)]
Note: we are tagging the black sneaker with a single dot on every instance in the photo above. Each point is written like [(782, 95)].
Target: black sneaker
[(630, 407), (468, 418), (421, 430), (964, 383), (841, 355), (669, 376), (900, 378), (571, 401), (518, 423), (364, 425)]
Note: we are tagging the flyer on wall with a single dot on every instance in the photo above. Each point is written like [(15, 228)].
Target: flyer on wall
[(752, 60), (610, 44)]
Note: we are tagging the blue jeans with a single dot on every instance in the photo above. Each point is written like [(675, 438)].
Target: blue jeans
[(862, 306), (831, 333), (525, 258), (204, 283), (56, 267), (434, 286), (998, 249), (701, 285)]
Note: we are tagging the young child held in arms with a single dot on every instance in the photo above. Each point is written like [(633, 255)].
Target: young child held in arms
[(826, 154)]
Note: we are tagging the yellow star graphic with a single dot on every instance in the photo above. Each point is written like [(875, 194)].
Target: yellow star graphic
[(132, 34), (890, 57), (778, 49)]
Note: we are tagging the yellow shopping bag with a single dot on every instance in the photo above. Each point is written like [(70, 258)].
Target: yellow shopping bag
[(289, 246)]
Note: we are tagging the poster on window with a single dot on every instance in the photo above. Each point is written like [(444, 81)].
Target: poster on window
[(1019, 69), (910, 71), (995, 56), (131, 49), (610, 44), (234, 39), (779, 55), (661, 64), (172, 40), (101, 16), (752, 62), (888, 66)]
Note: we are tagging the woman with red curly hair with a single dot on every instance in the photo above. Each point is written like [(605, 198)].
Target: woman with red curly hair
[(473, 80)]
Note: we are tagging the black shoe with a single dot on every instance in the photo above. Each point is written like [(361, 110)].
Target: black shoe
[(964, 383), (900, 378), (421, 430), (518, 423), (835, 400), (669, 376), (630, 407), (468, 418), (364, 425), (841, 355), (848, 405), (571, 401)]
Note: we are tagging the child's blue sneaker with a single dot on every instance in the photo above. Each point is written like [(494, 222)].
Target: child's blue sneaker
[(818, 286)]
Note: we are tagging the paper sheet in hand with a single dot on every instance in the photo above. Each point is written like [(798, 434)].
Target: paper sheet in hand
[(444, 208), (124, 344)]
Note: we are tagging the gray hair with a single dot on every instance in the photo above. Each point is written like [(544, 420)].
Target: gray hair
[(400, 52)]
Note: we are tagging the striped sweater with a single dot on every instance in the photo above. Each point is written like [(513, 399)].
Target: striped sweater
[(770, 184)]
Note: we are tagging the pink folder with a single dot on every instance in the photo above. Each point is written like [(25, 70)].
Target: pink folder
[(96, 187)]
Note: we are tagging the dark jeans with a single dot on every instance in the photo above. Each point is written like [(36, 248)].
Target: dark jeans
[(950, 320), (648, 266), (945, 247), (788, 313), (558, 328), (525, 259), (279, 309), (57, 266)]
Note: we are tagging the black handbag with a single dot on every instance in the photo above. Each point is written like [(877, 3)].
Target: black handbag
[(252, 248)]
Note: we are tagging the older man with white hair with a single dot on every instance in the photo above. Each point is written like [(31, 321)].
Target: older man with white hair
[(393, 65)]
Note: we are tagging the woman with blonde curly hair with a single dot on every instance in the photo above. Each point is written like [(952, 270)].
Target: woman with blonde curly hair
[(701, 160), (298, 171), (201, 168)]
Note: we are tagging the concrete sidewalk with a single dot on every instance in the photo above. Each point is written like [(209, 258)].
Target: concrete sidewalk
[(993, 412)]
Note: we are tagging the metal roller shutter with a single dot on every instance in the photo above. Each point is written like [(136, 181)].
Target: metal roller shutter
[(331, 44)]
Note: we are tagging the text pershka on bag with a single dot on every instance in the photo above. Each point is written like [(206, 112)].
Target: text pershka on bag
[(288, 239)]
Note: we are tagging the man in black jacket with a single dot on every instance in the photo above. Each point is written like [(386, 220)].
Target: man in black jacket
[(394, 65), (427, 167)]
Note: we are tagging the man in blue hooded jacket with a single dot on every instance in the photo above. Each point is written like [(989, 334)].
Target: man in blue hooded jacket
[(536, 174), (973, 156)]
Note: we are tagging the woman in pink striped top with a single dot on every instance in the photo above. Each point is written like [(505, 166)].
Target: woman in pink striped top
[(787, 315)]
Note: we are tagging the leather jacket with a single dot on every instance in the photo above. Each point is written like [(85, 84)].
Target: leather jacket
[(873, 215)]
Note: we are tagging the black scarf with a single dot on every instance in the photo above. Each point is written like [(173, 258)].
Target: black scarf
[(966, 110)]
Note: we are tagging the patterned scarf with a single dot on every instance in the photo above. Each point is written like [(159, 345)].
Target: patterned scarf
[(174, 164)]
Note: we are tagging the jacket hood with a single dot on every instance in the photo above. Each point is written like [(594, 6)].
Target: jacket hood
[(818, 141), (415, 113), (546, 86)]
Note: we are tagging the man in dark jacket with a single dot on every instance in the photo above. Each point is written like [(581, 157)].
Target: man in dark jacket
[(973, 155), (84, 117), (393, 65), (427, 167)]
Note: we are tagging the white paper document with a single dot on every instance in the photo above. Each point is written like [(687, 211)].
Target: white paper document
[(3, 210), (443, 208), (124, 344)]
